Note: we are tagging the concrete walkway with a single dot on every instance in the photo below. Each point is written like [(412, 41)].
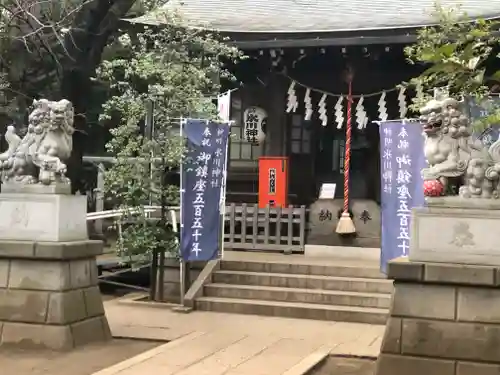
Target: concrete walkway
[(207, 343)]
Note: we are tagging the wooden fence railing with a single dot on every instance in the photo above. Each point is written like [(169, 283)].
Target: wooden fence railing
[(248, 227)]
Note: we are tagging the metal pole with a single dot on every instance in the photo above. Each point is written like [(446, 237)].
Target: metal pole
[(161, 275), (148, 129), (182, 263), (223, 194), (182, 275)]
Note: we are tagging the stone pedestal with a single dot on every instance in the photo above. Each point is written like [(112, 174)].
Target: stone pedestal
[(49, 295), (456, 230), (444, 320), (43, 217)]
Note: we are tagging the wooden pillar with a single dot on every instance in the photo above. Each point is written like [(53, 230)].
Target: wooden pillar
[(275, 106)]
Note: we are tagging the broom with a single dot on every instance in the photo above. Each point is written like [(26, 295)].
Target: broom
[(345, 224)]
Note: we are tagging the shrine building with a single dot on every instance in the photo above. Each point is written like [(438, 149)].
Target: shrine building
[(292, 102)]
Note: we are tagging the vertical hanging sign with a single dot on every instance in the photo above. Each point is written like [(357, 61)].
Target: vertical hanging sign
[(224, 106), (402, 159), (202, 183)]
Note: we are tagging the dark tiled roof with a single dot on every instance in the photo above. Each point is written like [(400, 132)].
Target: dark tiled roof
[(287, 16)]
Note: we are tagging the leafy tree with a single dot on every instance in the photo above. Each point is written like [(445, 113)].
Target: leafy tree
[(51, 48), (174, 67), (459, 55)]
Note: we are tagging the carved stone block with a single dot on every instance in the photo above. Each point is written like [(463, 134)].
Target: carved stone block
[(468, 300), (429, 301), (43, 217), (450, 340), (455, 230), (55, 188)]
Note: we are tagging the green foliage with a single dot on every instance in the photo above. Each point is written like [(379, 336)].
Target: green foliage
[(456, 53), (32, 38), (176, 68), (47, 46)]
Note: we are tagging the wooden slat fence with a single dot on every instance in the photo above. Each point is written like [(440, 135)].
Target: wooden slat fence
[(248, 227)]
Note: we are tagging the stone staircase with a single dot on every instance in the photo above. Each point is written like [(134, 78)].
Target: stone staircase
[(299, 290)]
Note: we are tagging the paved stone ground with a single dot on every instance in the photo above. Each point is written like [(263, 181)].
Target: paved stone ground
[(346, 366), (204, 343), (84, 361), (207, 343)]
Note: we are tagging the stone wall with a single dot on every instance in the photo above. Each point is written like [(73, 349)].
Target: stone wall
[(171, 280), (444, 320), (323, 221), (49, 294)]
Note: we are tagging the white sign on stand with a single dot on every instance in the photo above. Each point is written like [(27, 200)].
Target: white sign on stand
[(327, 191)]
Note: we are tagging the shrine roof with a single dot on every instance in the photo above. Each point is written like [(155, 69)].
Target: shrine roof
[(317, 16)]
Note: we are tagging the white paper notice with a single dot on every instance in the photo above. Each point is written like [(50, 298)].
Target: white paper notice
[(327, 191)]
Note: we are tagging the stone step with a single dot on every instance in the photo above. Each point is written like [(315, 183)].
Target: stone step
[(370, 272), (368, 315), (313, 296), (351, 284)]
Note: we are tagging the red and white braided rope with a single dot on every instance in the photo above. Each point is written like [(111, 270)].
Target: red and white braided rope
[(347, 158)]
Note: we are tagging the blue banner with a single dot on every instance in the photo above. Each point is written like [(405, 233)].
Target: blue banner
[(203, 174), (402, 160)]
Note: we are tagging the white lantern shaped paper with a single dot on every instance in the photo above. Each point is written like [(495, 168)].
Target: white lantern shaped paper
[(255, 119)]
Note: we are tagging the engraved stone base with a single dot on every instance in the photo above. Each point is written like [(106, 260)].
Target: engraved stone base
[(455, 230), (43, 217), (444, 320), (57, 188), (323, 222), (49, 297)]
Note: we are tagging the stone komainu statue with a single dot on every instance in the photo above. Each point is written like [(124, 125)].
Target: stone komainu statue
[(453, 154), (39, 157)]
